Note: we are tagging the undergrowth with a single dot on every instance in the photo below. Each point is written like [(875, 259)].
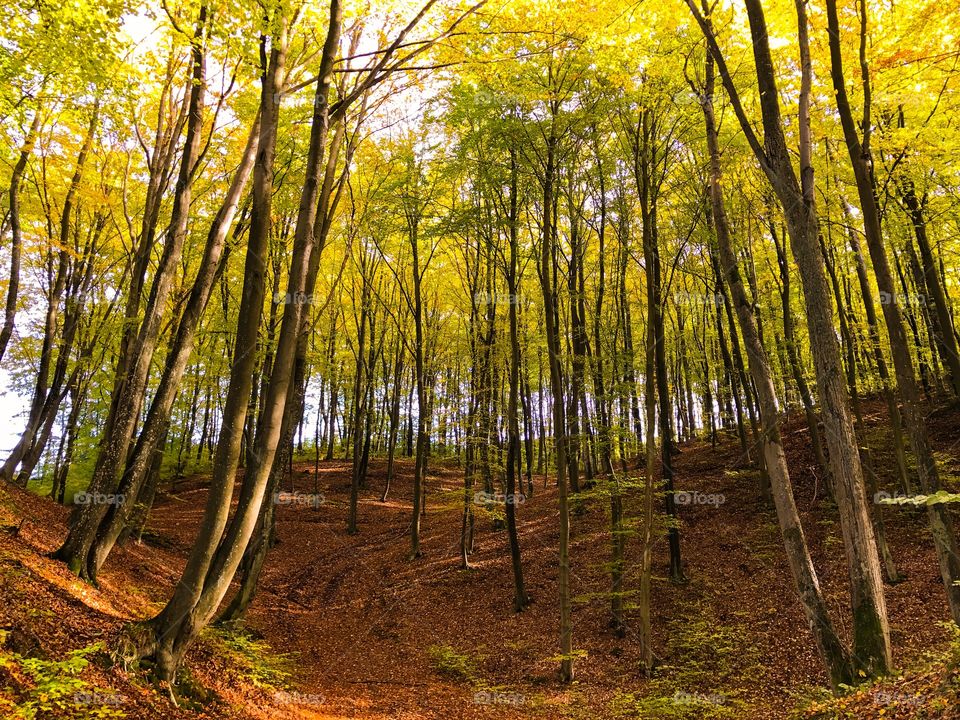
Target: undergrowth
[(253, 659), (713, 660), (930, 690), (54, 689)]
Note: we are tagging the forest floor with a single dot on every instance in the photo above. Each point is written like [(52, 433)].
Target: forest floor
[(366, 633)]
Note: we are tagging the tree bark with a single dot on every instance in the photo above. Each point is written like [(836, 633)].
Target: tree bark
[(941, 523), (871, 632)]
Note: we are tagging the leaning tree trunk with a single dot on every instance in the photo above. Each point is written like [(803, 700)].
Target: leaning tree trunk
[(941, 523), (866, 457), (866, 292), (793, 356), (167, 635), (871, 631), (832, 652), (158, 415), (86, 519), (16, 243)]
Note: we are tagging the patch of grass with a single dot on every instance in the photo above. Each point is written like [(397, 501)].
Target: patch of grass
[(765, 543), (494, 512), (743, 474), (254, 659), (461, 667), (35, 612), (637, 705), (455, 665), (8, 511), (54, 688), (191, 693), (713, 661), (832, 541)]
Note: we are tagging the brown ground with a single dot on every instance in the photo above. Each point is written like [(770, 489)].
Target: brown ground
[(360, 620)]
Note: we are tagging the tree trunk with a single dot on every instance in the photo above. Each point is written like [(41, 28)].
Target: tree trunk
[(556, 386), (520, 599), (941, 523), (16, 242), (86, 519), (871, 632), (832, 652)]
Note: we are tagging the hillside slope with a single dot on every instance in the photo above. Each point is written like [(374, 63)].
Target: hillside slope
[(368, 634)]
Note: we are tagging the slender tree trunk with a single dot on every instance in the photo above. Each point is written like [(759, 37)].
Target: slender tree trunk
[(871, 632), (556, 386), (86, 519), (520, 599), (941, 523), (16, 242), (647, 169), (832, 651), (394, 414), (158, 415), (893, 410), (942, 321), (173, 629), (48, 392)]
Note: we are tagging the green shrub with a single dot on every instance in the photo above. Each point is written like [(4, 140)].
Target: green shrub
[(57, 689), (253, 658)]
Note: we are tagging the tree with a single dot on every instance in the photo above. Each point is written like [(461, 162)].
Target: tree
[(871, 647)]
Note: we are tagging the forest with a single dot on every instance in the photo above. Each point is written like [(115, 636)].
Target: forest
[(480, 359)]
